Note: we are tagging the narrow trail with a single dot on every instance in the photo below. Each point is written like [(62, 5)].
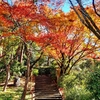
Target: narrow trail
[(46, 89)]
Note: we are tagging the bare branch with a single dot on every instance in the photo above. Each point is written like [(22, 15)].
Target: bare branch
[(93, 3)]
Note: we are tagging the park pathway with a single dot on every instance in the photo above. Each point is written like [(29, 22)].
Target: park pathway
[(46, 89)]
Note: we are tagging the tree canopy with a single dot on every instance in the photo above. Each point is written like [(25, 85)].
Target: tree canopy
[(29, 31)]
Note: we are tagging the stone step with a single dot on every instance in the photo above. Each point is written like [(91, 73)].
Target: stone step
[(48, 99), (46, 89)]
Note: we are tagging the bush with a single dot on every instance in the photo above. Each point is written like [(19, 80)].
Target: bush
[(18, 69), (83, 83), (35, 72), (2, 71), (74, 86), (78, 94), (93, 83)]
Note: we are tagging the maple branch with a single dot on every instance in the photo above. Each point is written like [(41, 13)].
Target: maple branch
[(2, 55), (95, 8), (76, 12), (70, 59), (83, 55), (80, 57), (34, 62), (87, 19)]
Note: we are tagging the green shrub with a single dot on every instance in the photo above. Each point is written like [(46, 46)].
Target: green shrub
[(83, 83), (17, 68), (74, 86), (2, 76), (93, 83), (53, 72), (78, 94), (35, 72), (2, 71)]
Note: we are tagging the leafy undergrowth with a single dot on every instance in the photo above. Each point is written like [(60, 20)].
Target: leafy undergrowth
[(14, 93)]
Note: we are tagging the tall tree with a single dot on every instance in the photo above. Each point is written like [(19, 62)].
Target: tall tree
[(86, 17), (68, 42), (68, 52), (21, 20)]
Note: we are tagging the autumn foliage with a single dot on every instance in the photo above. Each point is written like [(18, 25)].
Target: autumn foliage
[(61, 36)]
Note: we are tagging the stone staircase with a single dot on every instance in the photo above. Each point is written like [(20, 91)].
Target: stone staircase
[(46, 89)]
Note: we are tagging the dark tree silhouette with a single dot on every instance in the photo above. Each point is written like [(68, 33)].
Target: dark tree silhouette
[(85, 17)]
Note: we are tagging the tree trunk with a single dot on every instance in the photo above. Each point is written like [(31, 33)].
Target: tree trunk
[(25, 89), (58, 73), (48, 61), (7, 76), (27, 77), (21, 54), (61, 72)]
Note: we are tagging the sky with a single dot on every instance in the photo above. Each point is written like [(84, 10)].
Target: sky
[(65, 7)]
